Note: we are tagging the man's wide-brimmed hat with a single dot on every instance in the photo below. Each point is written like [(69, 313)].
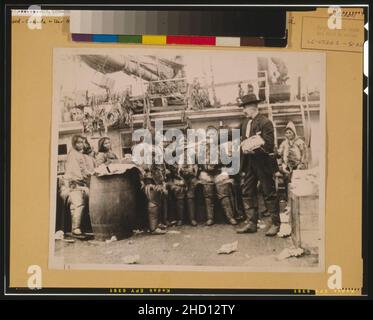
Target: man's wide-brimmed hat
[(249, 99)]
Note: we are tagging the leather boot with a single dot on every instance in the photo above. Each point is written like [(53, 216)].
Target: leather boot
[(275, 224), (153, 215), (248, 227), (273, 230), (164, 220), (209, 204), (251, 210), (208, 194), (191, 211), (225, 194), (274, 209), (237, 201), (76, 218), (180, 205), (250, 224), (226, 204)]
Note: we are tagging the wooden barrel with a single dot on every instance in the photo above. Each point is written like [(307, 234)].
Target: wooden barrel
[(113, 205)]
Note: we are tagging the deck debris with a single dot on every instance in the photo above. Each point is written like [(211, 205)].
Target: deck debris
[(290, 252), (228, 248), (131, 259), (112, 239), (173, 232)]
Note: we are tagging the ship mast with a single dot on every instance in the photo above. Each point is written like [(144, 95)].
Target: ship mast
[(213, 85)]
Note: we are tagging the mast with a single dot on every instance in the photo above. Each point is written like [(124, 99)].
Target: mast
[(213, 84)]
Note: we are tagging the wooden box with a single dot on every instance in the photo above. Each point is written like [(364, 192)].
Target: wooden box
[(305, 220)]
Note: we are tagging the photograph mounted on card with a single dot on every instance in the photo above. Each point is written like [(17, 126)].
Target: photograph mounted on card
[(235, 140)]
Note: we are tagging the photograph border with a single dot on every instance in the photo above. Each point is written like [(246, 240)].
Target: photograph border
[(59, 263)]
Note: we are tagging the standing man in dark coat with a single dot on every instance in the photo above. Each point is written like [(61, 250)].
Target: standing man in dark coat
[(257, 164)]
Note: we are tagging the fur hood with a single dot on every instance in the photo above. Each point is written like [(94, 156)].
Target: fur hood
[(291, 126)]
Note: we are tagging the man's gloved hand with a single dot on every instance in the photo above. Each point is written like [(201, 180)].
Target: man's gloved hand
[(250, 144)]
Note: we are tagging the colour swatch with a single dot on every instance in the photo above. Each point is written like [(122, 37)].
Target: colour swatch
[(182, 40)]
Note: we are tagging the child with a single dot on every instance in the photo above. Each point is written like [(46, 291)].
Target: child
[(105, 155), (293, 151)]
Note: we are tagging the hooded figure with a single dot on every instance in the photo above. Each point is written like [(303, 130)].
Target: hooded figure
[(293, 150), (75, 183)]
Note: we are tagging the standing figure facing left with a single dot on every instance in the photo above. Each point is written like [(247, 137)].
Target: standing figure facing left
[(75, 188)]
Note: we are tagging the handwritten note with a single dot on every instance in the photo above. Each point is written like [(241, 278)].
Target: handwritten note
[(43, 20), (317, 35)]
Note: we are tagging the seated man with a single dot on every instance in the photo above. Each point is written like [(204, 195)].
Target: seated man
[(76, 181), (216, 182), (189, 173), (181, 180), (153, 185)]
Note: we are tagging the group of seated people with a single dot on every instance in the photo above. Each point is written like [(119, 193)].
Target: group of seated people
[(159, 182)]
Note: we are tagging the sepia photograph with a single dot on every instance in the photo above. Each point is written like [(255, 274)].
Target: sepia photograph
[(184, 159)]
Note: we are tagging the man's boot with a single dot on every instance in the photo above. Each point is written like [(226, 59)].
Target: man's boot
[(273, 230), (250, 224), (154, 210), (191, 211), (164, 216), (275, 225), (76, 218), (208, 194), (225, 194), (180, 206), (274, 209), (76, 204), (179, 192), (226, 204), (153, 216), (209, 204), (237, 201)]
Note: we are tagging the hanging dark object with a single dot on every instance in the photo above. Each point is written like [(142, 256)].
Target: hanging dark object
[(146, 67)]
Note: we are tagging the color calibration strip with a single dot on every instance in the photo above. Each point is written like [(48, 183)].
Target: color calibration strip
[(244, 27)]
